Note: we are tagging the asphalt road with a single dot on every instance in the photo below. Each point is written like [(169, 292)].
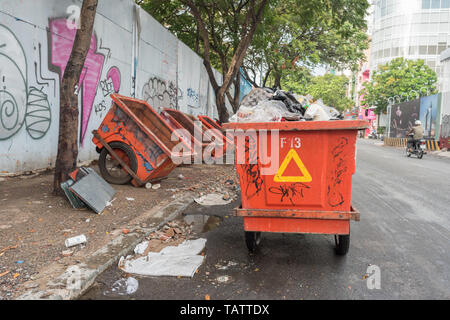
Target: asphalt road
[(404, 230)]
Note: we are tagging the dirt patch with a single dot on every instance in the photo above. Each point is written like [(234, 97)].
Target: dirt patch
[(34, 224)]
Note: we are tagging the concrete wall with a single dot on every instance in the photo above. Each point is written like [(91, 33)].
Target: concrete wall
[(130, 53)]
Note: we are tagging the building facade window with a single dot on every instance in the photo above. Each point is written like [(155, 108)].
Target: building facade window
[(413, 29)]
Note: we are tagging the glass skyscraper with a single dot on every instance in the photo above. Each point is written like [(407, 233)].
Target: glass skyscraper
[(413, 29)]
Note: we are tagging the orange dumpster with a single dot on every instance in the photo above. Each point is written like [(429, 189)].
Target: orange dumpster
[(135, 143), (309, 190)]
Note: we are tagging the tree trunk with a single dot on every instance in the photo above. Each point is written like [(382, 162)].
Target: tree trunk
[(222, 108), (66, 159), (277, 81), (237, 92)]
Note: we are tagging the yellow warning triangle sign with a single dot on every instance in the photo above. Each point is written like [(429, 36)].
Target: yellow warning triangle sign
[(292, 154)]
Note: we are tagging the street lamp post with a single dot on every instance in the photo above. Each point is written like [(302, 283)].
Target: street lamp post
[(391, 101)]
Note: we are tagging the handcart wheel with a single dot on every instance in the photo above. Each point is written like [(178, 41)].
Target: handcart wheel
[(252, 239), (342, 244), (110, 169)]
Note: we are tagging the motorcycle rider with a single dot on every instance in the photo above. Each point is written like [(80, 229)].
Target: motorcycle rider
[(418, 131)]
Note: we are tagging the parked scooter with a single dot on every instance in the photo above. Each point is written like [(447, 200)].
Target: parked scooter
[(373, 135), (417, 148)]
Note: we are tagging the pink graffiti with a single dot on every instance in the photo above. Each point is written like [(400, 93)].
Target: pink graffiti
[(114, 75), (62, 39)]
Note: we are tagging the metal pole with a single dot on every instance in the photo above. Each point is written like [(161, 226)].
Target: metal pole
[(389, 118)]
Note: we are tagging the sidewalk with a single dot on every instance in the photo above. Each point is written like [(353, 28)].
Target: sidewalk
[(34, 225)]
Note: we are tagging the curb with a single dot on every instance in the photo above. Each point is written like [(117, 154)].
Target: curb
[(77, 279)]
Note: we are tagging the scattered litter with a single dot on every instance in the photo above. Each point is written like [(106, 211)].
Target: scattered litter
[(9, 248), (156, 186), (88, 220), (16, 275), (223, 279), (212, 199), (148, 185), (75, 241), (20, 262), (207, 297), (4, 274), (226, 266), (125, 231), (109, 203), (130, 199), (182, 260), (67, 253), (124, 286), (181, 177)]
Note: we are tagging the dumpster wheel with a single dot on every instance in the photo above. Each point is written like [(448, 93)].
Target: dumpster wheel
[(342, 244), (252, 239), (116, 174)]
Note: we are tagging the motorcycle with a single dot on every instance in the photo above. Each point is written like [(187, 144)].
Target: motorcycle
[(416, 148), (373, 135)]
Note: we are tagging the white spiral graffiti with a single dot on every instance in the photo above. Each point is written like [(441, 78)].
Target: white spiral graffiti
[(13, 84)]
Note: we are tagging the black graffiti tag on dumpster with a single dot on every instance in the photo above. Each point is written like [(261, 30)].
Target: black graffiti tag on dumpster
[(251, 169), (290, 192), (254, 180), (335, 196)]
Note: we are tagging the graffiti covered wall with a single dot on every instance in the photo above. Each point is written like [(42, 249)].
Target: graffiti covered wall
[(130, 53)]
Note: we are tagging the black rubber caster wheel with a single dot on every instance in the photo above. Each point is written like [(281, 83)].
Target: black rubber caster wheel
[(342, 244), (252, 239)]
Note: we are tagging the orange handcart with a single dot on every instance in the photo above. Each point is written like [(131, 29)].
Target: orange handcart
[(135, 143)]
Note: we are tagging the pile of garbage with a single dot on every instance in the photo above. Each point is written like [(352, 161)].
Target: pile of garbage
[(267, 105), (166, 252)]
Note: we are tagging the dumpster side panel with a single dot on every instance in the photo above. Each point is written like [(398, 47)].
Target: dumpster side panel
[(314, 172), (287, 225)]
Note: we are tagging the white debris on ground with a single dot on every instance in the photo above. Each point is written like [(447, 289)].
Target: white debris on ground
[(166, 252), (182, 260), (124, 287), (213, 199)]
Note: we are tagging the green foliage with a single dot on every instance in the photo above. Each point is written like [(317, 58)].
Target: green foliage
[(224, 20), (299, 34), (296, 80), (331, 89), (398, 78)]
